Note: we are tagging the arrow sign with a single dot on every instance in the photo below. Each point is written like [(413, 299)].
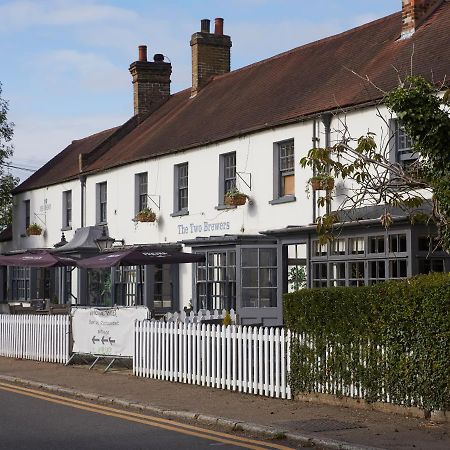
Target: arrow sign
[(111, 341), (103, 340), (95, 340)]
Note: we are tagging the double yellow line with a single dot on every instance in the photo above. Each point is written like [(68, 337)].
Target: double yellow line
[(158, 422)]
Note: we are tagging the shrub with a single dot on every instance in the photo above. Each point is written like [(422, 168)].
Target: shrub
[(391, 339)]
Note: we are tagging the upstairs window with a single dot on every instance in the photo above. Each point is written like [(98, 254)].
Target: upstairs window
[(26, 210), (227, 169), (283, 172), (67, 209), (141, 183), (181, 191), (101, 202), (402, 145)]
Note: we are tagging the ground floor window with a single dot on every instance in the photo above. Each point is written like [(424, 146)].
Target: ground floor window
[(398, 268), (99, 287), (163, 295), (377, 271), (427, 265), (259, 277), (128, 285), (20, 283), (216, 280)]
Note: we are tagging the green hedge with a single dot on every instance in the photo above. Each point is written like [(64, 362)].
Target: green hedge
[(387, 342)]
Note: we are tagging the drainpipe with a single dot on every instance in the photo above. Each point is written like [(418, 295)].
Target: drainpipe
[(326, 120), (315, 142), (83, 199)]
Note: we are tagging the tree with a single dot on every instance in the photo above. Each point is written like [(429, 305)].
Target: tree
[(7, 181), (372, 178)]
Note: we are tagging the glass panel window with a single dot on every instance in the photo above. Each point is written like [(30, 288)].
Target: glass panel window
[(377, 271), (337, 274), (20, 283), (142, 191), (338, 247), (397, 243), (404, 147), (356, 245), (376, 244), (67, 209), (129, 283), (429, 244), (319, 249), (163, 287), (182, 184), (398, 268), (229, 172), (26, 207), (99, 287), (356, 273), (286, 167), (102, 202), (427, 265), (320, 275), (259, 277), (216, 280)]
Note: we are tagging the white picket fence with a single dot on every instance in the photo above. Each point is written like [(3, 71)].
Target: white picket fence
[(41, 338), (239, 358), (198, 317)]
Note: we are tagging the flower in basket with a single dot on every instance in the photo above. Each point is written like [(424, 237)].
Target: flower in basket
[(34, 229), (145, 215), (322, 181), (235, 198)]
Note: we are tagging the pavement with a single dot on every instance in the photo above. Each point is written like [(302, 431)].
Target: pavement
[(306, 424)]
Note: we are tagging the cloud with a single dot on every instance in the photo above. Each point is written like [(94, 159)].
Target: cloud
[(38, 138), (24, 14), (91, 71)]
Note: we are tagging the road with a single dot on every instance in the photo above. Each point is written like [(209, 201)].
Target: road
[(32, 419)]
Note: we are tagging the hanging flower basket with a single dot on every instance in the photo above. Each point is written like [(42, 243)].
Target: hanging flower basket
[(235, 198), (145, 215), (34, 230), (322, 182)]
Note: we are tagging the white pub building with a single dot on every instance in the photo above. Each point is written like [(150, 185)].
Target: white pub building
[(180, 153)]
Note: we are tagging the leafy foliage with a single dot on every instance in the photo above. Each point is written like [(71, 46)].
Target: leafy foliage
[(371, 176), (7, 181), (390, 339)]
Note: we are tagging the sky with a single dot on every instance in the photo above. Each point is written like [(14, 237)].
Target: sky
[(64, 63)]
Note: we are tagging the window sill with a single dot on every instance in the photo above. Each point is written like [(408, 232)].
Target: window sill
[(101, 224), (284, 199), (184, 212), (223, 207), (66, 228)]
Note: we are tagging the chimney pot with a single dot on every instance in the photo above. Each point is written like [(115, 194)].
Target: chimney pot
[(204, 25), (218, 26), (143, 53), (158, 57)]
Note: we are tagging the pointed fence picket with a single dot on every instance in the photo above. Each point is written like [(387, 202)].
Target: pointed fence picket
[(40, 338), (247, 359)]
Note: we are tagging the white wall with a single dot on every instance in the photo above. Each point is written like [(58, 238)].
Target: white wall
[(254, 155)]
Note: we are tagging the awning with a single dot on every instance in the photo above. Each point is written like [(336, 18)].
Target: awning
[(83, 242), (41, 258), (139, 256)]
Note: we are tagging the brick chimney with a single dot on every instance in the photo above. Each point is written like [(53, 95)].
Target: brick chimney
[(151, 82), (210, 54), (414, 12)]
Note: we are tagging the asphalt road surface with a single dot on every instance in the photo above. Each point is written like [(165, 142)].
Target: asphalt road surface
[(31, 419)]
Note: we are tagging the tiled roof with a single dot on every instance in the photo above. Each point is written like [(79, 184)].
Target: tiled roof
[(302, 82)]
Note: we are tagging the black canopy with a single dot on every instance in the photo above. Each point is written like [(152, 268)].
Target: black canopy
[(139, 256)]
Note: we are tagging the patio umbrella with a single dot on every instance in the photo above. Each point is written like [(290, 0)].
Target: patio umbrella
[(41, 258), (139, 256)]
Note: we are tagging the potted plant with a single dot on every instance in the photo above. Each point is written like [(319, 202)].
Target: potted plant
[(34, 229), (322, 182), (145, 215), (235, 198)]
